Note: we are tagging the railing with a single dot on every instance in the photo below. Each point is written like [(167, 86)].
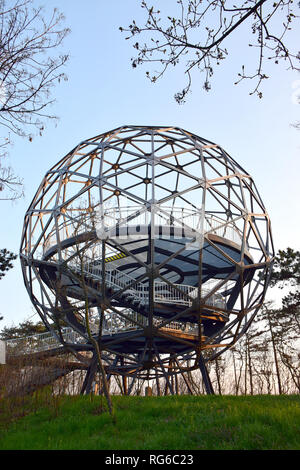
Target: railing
[(113, 324), (41, 342), (225, 229), (158, 215), (163, 292), (177, 217), (166, 294)]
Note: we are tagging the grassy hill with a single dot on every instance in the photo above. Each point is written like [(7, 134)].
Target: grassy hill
[(156, 423)]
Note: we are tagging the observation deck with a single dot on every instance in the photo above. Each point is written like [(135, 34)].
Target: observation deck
[(158, 235), (171, 243)]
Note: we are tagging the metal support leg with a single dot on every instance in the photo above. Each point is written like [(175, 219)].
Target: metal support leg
[(205, 376), (166, 375), (92, 369)]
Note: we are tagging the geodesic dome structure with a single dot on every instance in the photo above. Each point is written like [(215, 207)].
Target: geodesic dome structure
[(153, 241)]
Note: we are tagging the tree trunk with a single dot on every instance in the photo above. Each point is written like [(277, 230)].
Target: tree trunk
[(249, 364), (274, 353)]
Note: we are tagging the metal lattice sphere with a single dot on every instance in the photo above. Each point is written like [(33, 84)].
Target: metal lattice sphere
[(152, 241)]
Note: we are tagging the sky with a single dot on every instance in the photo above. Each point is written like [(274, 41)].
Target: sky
[(103, 92)]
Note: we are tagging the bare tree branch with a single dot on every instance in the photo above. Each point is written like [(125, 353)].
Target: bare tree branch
[(27, 70), (30, 66), (196, 37)]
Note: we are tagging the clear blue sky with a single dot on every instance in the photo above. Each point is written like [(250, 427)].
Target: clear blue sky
[(103, 91)]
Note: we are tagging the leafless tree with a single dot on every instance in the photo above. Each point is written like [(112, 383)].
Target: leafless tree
[(10, 184), (82, 310), (30, 66), (195, 35)]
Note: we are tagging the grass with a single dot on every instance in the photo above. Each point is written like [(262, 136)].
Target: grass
[(152, 423)]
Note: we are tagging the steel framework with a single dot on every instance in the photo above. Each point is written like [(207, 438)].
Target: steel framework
[(155, 243)]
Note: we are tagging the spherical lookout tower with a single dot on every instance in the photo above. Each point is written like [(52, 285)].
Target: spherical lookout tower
[(152, 240)]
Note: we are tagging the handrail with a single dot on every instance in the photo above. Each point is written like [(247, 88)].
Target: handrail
[(134, 321), (163, 292), (41, 342), (113, 325), (165, 216)]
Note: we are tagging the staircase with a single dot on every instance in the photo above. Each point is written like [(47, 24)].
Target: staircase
[(138, 292)]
